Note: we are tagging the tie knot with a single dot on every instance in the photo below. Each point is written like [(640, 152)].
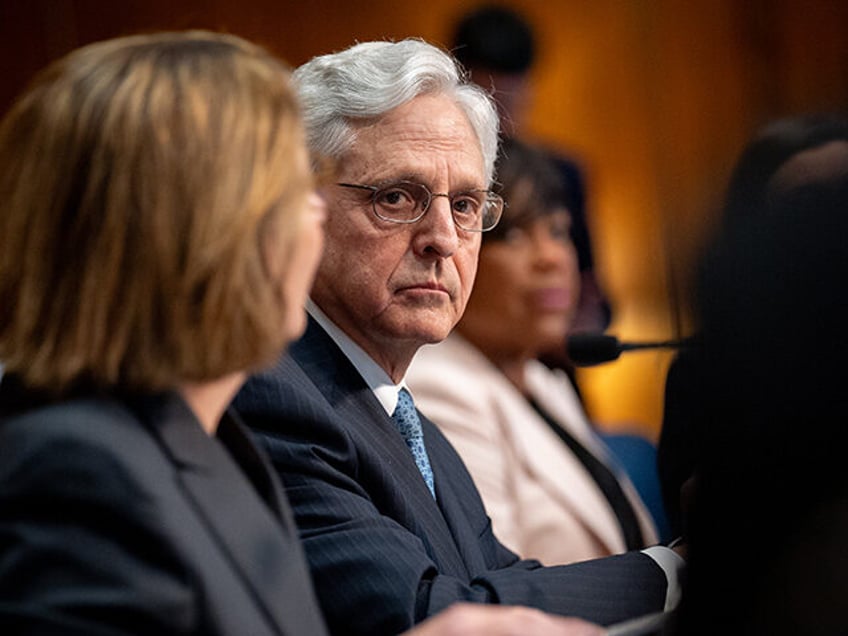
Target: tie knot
[(406, 417)]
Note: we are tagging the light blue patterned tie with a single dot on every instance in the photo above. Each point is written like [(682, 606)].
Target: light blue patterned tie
[(409, 424)]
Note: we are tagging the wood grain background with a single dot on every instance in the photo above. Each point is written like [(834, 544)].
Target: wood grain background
[(655, 97)]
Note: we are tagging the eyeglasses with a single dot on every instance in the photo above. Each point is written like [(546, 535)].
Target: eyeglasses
[(407, 202)]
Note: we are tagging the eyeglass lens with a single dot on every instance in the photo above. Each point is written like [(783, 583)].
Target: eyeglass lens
[(407, 202)]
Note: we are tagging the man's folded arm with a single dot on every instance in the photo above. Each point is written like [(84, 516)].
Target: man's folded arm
[(374, 576)]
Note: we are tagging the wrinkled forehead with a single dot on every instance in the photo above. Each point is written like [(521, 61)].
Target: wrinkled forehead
[(426, 139)]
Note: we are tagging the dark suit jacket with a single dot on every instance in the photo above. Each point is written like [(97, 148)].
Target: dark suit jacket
[(124, 517), (383, 553)]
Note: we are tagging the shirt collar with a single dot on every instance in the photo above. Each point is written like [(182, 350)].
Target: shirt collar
[(375, 377)]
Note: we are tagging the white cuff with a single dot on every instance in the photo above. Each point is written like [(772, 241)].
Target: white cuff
[(673, 566)]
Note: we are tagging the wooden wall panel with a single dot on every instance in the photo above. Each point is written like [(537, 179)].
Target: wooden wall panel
[(656, 97)]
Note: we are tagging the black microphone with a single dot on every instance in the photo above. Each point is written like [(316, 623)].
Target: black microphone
[(588, 349)]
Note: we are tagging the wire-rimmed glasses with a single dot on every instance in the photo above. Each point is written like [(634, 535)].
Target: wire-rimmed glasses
[(408, 202)]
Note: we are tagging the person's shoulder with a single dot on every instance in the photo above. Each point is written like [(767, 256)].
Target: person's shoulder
[(454, 356), (81, 421), (456, 372), (288, 413), (84, 445), (276, 389)]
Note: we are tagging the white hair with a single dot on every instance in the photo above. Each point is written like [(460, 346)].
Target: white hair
[(370, 79)]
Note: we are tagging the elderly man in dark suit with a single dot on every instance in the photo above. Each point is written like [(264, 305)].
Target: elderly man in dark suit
[(393, 526)]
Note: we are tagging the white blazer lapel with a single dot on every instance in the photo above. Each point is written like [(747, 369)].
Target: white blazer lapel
[(557, 396), (564, 477)]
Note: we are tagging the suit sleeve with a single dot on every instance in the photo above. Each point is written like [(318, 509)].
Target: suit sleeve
[(80, 553), (372, 570)]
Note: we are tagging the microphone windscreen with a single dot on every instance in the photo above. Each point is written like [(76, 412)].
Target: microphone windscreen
[(586, 349)]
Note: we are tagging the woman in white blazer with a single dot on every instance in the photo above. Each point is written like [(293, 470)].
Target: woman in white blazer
[(548, 481)]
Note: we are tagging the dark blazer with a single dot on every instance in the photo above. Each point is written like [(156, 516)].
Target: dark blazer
[(383, 553), (125, 517)]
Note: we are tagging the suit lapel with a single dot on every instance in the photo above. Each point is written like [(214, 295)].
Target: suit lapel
[(346, 391), (240, 522), (351, 398)]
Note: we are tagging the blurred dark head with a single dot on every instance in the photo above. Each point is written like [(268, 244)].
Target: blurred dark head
[(775, 346), (497, 48), (494, 38), (786, 154), (771, 297), (785, 187), (529, 183)]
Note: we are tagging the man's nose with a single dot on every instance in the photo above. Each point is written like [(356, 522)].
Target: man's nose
[(437, 233)]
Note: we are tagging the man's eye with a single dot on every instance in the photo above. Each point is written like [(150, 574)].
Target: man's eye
[(395, 197), (465, 204)]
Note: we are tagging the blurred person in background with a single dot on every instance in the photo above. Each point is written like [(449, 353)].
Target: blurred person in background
[(550, 484), (783, 155), (498, 48), (771, 466)]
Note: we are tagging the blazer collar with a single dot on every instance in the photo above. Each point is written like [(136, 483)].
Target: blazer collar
[(215, 474), (540, 447)]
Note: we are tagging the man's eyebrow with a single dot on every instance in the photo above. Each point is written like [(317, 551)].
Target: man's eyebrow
[(409, 176), (415, 177)]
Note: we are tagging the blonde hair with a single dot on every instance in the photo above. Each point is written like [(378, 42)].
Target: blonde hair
[(149, 187)]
